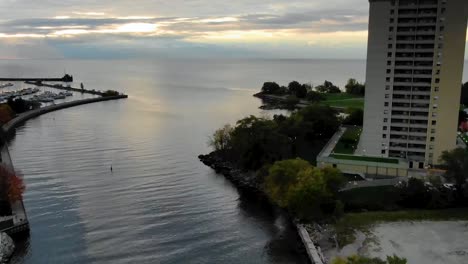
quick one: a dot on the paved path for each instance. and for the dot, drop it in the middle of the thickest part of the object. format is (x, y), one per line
(312, 251)
(43, 110)
(332, 142)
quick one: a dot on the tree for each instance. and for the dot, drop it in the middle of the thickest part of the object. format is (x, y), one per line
(354, 87)
(271, 88)
(456, 164)
(297, 89)
(306, 191)
(355, 117)
(257, 141)
(221, 139)
(328, 87)
(314, 96)
(414, 194)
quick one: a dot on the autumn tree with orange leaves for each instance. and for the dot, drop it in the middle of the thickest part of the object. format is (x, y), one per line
(11, 185)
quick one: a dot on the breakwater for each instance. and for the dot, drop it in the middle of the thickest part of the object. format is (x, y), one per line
(61, 87)
(15, 122)
(66, 78)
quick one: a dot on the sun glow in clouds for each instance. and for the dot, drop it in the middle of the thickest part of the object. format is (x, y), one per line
(137, 28)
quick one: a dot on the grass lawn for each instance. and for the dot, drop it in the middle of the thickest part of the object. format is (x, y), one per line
(363, 158)
(344, 100)
(349, 223)
(349, 141)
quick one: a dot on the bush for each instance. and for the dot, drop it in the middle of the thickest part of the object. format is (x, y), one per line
(365, 260)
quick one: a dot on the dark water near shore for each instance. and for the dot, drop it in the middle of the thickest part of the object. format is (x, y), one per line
(160, 204)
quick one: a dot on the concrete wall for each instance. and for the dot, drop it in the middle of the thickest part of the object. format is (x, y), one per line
(371, 138)
(368, 170)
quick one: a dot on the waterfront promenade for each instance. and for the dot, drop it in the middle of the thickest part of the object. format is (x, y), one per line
(21, 118)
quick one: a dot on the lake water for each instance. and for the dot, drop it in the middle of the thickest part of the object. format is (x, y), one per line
(160, 204)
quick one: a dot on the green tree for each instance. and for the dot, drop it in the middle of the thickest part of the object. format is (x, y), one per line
(456, 164)
(257, 141)
(328, 87)
(314, 96)
(306, 191)
(355, 117)
(354, 87)
(221, 138)
(271, 88)
(297, 89)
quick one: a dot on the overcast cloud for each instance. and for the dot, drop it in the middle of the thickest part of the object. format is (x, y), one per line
(142, 28)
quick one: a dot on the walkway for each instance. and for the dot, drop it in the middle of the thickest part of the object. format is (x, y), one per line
(327, 151)
(43, 110)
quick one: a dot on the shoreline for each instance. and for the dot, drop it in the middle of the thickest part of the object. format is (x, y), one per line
(246, 181)
(21, 118)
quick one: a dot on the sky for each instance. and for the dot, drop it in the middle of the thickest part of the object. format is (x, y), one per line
(183, 28)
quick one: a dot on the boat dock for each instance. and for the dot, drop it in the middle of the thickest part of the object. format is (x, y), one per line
(66, 88)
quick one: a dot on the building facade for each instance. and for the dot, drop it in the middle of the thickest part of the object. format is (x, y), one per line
(414, 72)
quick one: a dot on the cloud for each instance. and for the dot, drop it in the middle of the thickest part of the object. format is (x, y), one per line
(304, 25)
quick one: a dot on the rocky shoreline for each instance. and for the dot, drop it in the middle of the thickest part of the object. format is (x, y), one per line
(7, 247)
(241, 179)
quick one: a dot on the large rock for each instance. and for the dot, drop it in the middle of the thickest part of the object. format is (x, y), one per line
(7, 247)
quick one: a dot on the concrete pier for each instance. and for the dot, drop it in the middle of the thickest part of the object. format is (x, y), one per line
(12, 124)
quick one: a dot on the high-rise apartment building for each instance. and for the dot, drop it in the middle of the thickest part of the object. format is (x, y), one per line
(414, 71)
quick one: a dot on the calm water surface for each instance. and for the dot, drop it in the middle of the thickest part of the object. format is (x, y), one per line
(160, 204)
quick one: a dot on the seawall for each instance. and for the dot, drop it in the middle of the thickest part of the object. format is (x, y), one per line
(15, 122)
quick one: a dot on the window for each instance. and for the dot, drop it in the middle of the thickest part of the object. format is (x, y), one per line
(384, 136)
(437, 80)
(389, 54)
(385, 112)
(389, 71)
(387, 87)
(386, 104)
(431, 147)
(442, 28)
(436, 98)
(392, 11)
(385, 128)
(442, 11)
(385, 120)
(436, 89)
(383, 151)
(433, 130)
(390, 37)
(431, 155)
(434, 106)
(434, 122)
(439, 63)
(392, 20)
(389, 63)
(434, 114)
(432, 139)
(387, 79)
(437, 71)
(390, 46)
(441, 45)
(387, 96)
(390, 29)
